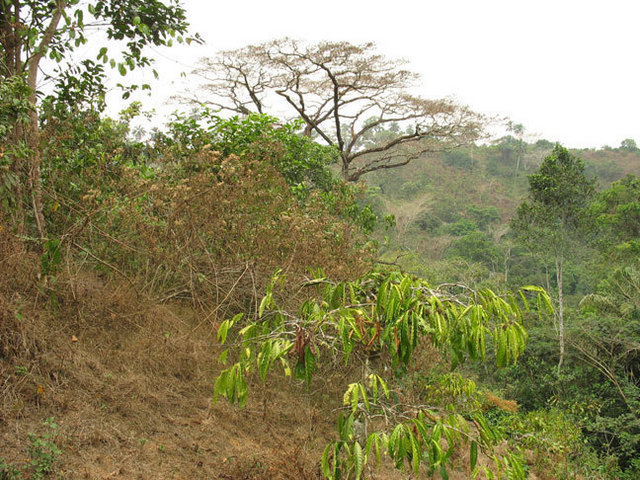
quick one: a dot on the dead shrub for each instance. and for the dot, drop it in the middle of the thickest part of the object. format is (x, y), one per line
(212, 230)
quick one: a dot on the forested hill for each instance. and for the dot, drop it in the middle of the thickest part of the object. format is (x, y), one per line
(513, 214)
(344, 294)
(458, 204)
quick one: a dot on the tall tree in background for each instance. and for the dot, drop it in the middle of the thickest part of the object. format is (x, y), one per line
(342, 92)
(553, 216)
(31, 30)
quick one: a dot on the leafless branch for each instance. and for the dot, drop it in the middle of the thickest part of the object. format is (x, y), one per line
(346, 94)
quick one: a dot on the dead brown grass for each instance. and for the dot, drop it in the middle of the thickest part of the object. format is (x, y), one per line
(129, 381)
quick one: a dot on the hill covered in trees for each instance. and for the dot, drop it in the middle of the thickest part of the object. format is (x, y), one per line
(359, 292)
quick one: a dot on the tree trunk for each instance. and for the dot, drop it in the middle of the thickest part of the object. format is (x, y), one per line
(515, 174)
(34, 180)
(34, 175)
(507, 257)
(559, 275)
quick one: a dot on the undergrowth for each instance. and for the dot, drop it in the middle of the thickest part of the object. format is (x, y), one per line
(43, 455)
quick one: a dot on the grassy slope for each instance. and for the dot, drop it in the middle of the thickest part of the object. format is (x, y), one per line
(129, 380)
(431, 186)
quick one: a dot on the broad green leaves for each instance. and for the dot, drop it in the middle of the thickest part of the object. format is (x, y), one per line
(394, 314)
(357, 394)
(231, 384)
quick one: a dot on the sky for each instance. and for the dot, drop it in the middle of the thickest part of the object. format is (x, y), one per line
(567, 70)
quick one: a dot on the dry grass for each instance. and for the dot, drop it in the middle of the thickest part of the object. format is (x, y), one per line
(129, 381)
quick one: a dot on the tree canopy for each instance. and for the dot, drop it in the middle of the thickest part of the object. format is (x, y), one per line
(32, 30)
(548, 222)
(343, 93)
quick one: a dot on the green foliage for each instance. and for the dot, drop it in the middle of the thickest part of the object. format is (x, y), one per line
(299, 158)
(427, 221)
(14, 106)
(43, 454)
(606, 171)
(158, 23)
(476, 247)
(560, 183)
(559, 196)
(76, 142)
(629, 145)
(84, 157)
(549, 431)
(51, 257)
(460, 228)
(303, 163)
(454, 392)
(446, 210)
(14, 117)
(391, 313)
(43, 451)
(552, 220)
(483, 216)
(80, 88)
(617, 215)
(412, 188)
(459, 159)
(49, 262)
(607, 340)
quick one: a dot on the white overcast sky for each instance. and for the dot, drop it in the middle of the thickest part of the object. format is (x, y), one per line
(567, 69)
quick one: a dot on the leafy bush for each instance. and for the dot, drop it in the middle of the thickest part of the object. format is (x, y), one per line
(14, 117)
(483, 216)
(476, 247)
(193, 228)
(554, 438)
(43, 454)
(389, 315)
(460, 228)
(298, 158)
(427, 221)
(459, 159)
(412, 188)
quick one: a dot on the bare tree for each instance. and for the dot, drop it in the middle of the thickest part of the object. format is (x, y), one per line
(343, 93)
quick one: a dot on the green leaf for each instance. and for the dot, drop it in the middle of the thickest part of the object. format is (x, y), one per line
(241, 388)
(365, 397)
(358, 456)
(264, 303)
(223, 357)
(326, 469)
(473, 455)
(264, 360)
(219, 387)
(416, 453)
(222, 331)
(336, 461)
(122, 69)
